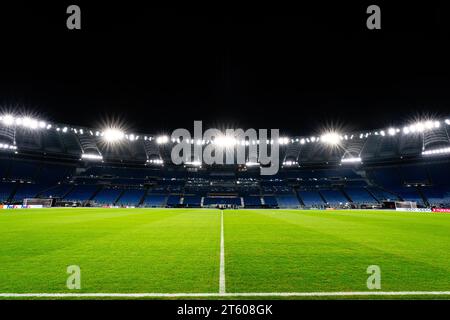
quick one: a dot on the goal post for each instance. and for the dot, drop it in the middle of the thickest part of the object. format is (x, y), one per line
(38, 202)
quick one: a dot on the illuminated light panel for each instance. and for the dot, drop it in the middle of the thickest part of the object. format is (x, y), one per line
(251, 164)
(193, 163)
(7, 147)
(352, 160)
(155, 161)
(436, 152)
(88, 156)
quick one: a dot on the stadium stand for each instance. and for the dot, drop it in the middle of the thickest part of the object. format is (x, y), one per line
(311, 199)
(334, 197)
(360, 195)
(108, 196)
(81, 193)
(287, 201)
(48, 163)
(153, 200)
(131, 197)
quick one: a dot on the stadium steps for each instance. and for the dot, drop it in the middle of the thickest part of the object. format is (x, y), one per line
(95, 193)
(422, 195)
(120, 196)
(300, 200)
(322, 197)
(143, 197)
(372, 195)
(68, 192)
(13, 193)
(345, 195)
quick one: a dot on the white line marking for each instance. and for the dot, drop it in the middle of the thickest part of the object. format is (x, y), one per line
(222, 257)
(243, 294)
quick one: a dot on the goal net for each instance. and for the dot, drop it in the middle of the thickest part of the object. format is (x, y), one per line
(405, 205)
(37, 202)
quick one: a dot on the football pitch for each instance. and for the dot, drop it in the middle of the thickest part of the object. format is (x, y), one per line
(206, 253)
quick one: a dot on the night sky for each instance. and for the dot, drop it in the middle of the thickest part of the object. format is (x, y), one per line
(160, 68)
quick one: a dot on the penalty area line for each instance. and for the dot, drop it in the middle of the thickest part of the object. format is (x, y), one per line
(237, 294)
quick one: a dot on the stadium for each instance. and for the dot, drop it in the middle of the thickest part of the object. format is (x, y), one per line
(137, 225)
(209, 155)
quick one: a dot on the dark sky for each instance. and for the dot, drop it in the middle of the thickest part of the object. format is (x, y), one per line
(159, 68)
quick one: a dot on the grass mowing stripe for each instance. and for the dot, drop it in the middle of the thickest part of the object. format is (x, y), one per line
(266, 254)
(152, 251)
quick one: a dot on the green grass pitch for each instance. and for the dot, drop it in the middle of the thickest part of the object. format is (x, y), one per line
(178, 250)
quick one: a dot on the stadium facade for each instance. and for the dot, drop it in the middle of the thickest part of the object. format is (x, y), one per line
(78, 166)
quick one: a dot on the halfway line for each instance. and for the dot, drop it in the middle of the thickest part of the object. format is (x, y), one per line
(222, 257)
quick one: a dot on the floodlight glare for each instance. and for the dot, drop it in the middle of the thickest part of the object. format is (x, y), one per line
(113, 135)
(225, 141)
(331, 138)
(8, 120)
(162, 139)
(391, 131)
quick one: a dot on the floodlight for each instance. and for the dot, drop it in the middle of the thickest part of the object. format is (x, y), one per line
(162, 139)
(8, 120)
(225, 141)
(391, 131)
(112, 135)
(331, 138)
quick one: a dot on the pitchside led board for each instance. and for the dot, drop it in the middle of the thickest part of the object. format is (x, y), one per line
(224, 161)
